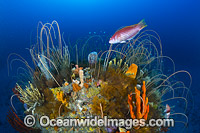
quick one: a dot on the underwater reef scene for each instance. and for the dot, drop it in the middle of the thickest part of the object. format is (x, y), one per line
(127, 80)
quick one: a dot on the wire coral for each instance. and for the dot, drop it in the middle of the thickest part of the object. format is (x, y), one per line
(17, 93)
(127, 83)
(16, 122)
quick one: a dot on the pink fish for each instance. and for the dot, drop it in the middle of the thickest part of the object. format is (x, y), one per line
(167, 111)
(127, 33)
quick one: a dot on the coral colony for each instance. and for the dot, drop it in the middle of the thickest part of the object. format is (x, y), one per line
(126, 81)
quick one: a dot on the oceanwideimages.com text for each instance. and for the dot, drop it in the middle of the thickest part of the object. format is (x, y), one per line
(45, 121)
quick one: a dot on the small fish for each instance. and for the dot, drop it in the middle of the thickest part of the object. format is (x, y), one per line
(127, 33)
(167, 111)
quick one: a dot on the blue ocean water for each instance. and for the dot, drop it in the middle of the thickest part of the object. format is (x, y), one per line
(176, 22)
